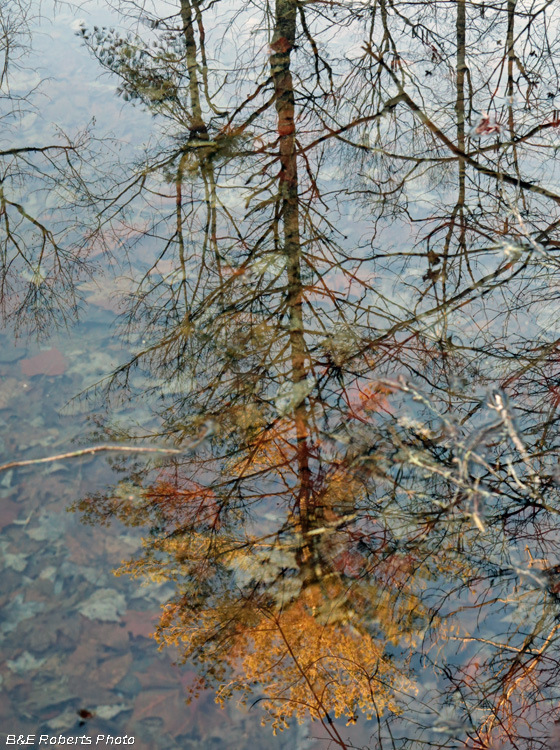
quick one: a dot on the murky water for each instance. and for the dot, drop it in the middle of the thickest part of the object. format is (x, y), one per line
(279, 374)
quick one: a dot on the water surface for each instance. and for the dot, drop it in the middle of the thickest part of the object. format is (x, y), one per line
(305, 254)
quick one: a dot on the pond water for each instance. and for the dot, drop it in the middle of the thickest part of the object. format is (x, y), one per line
(280, 366)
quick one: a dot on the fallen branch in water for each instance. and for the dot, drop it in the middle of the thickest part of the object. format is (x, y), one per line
(86, 452)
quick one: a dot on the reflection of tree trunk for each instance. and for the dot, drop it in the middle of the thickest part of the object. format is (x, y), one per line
(282, 45)
(511, 59)
(457, 218)
(461, 68)
(510, 42)
(460, 109)
(197, 128)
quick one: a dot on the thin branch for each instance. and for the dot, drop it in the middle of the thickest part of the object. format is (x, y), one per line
(86, 452)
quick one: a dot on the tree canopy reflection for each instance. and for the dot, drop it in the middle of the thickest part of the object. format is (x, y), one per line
(350, 327)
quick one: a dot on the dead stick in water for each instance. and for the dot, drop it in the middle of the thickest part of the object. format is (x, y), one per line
(88, 451)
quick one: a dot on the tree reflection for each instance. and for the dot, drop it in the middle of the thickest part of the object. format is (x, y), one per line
(51, 211)
(349, 325)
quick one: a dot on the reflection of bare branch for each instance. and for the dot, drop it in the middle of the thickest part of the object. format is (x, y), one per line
(499, 176)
